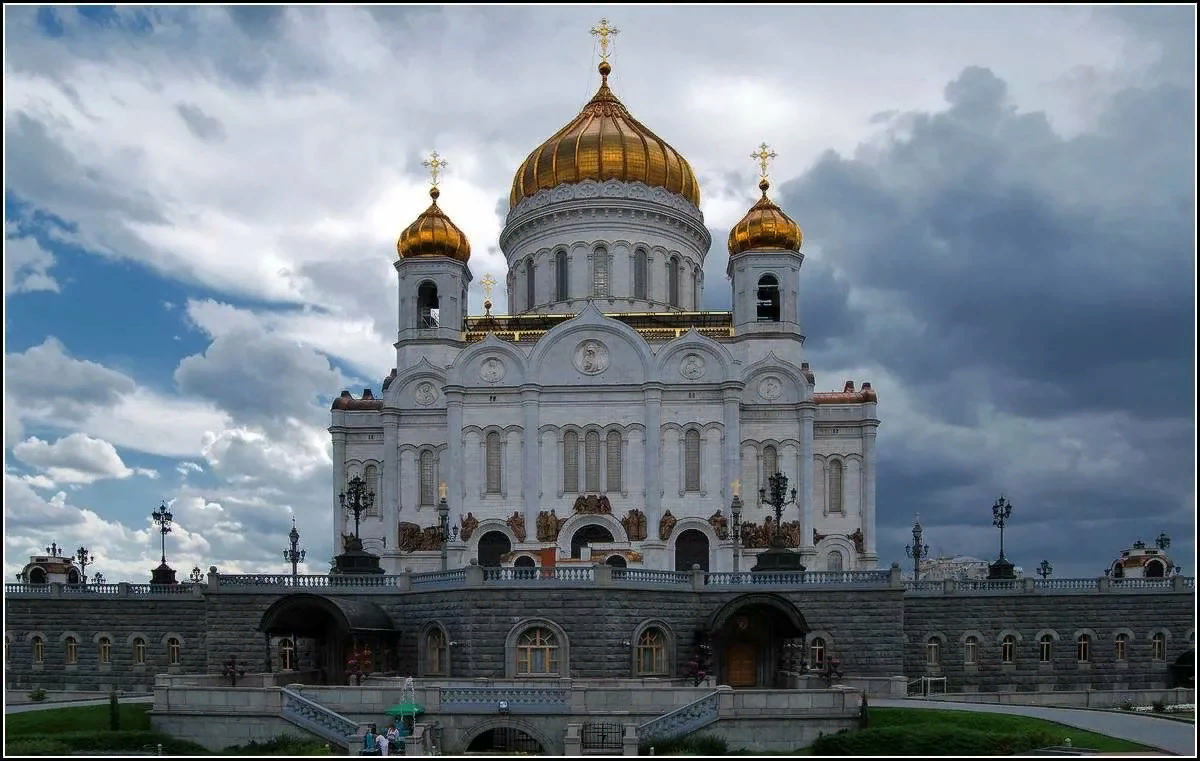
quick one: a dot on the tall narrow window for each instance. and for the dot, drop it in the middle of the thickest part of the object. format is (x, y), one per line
(173, 651)
(435, 652)
(427, 305)
(104, 651)
(371, 476)
(971, 650)
(696, 292)
(428, 485)
(817, 651)
(768, 299)
(651, 653)
(570, 461)
(1008, 649)
(933, 652)
(640, 269)
(72, 651)
(770, 464)
(591, 448)
(39, 651)
(287, 655)
(560, 275)
(1046, 648)
(1158, 646)
(1083, 649)
(835, 486)
(613, 466)
(493, 463)
(600, 272)
(139, 652)
(835, 560)
(691, 460)
(530, 282)
(1120, 642)
(673, 281)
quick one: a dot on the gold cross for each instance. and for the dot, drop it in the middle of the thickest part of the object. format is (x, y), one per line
(763, 157)
(487, 283)
(604, 31)
(435, 165)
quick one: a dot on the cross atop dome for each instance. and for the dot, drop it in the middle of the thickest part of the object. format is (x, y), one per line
(603, 31)
(763, 156)
(434, 164)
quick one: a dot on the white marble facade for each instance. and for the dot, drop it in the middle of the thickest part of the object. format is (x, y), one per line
(493, 419)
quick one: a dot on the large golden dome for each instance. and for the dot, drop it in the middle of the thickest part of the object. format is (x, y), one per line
(604, 143)
(433, 234)
(765, 226)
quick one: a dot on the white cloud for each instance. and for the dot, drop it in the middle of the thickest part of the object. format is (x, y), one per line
(27, 266)
(187, 466)
(74, 459)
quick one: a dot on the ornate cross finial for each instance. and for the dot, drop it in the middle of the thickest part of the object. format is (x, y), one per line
(763, 156)
(434, 164)
(604, 31)
(487, 283)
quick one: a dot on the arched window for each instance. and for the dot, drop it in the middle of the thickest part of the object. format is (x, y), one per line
(72, 576)
(691, 548)
(816, 650)
(1158, 646)
(173, 651)
(436, 661)
(427, 305)
(613, 463)
(72, 651)
(371, 476)
(537, 652)
(933, 652)
(524, 562)
(616, 561)
(1046, 648)
(651, 657)
(428, 482)
(39, 651)
(530, 282)
(591, 451)
(835, 486)
(691, 460)
(37, 575)
(1083, 648)
(768, 299)
(287, 655)
(493, 546)
(560, 275)
(640, 269)
(835, 560)
(493, 462)
(104, 650)
(139, 651)
(1121, 646)
(770, 464)
(971, 650)
(673, 281)
(570, 461)
(696, 291)
(600, 271)
(1008, 649)
(1155, 569)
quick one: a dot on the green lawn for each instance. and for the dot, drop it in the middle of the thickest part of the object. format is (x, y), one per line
(77, 719)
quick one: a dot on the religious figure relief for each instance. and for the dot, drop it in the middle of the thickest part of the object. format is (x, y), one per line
(719, 524)
(753, 536)
(468, 525)
(591, 358)
(492, 370)
(548, 525)
(857, 538)
(770, 388)
(425, 394)
(592, 504)
(516, 522)
(413, 538)
(692, 367)
(635, 525)
(818, 537)
(666, 526)
(792, 533)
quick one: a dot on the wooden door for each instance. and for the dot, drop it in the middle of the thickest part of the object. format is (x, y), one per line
(741, 661)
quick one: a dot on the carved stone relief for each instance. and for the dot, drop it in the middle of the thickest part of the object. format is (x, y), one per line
(548, 525)
(692, 367)
(720, 525)
(635, 525)
(516, 522)
(666, 526)
(591, 357)
(425, 394)
(492, 370)
(770, 388)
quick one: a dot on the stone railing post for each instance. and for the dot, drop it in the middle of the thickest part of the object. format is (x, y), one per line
(1104, 584)
(474, 575)
(214, 578)
(602, 574)
(629, 742)
(56, 588)
(1029, 584)
(895, 580)
(697, 577)
(404, 582)
(573, 740)
(123, 588)
(949, 587)
(1177, 584)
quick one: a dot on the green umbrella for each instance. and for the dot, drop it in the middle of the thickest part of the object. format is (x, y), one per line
(407, 708)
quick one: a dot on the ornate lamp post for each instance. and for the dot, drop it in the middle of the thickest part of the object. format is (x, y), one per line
(164, 574)
(917, 550)
(735, 509)
(84, 557)
(1045, 569)
(1163, 541)
(54, 550)
(1001, 512)
(778, 557)
(443, 511)
(98, 578)
(294, 555)
(360, 501)
(197, 576)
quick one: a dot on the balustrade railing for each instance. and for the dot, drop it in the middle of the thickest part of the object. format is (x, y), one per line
(439, 578)
(990, 585)
(1086, 584)
(92, 589)
(651, 576)
(695, 715)
(517, 699)
(1125, 583)
(27, 589)
(318, 719)
(926, 585)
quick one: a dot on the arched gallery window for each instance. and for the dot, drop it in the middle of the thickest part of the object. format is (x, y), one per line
(570, 461)
(933, 652)
(104, 651)
(560, 275)
(651, 655)
(768, 299)
(1008, 649)
(770, 464)
(427, 305)
(530, 282)
(173, 651)
(371, 477)
(613, 464)
(673, 281)
(971, 649)
(428, 487)
(287, 655)
(835, 560)
(1083, 648)
(1120, 646)
(139, 651)
(591, 450)
(1046, 648)
(493, 462)
(537, 652)
(816, 650)
(436, 661)
(72, 651)
(691, 460)
(640, 268)
(836, 473)
(600, 271)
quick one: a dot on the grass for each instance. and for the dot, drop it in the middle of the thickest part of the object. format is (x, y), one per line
(134, 716)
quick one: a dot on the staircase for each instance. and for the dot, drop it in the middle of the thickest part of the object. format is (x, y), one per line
(682, 721)
(316, 718)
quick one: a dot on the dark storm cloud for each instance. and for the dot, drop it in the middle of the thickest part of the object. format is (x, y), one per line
(200, 124)
(257, 21)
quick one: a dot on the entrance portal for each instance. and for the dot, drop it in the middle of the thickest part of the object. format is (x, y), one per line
(337, 629)
(691, 548)
(742, 661)
(492, 546)
(749, 637)
(505, 740)
(586, 535)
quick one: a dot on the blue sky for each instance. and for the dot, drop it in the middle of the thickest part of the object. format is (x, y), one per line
(201, 206)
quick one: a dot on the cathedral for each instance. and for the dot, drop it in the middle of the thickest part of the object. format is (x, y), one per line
(607, 418)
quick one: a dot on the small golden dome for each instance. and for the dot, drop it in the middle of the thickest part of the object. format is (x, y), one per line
(765, 226)
(604, 143)
(433, 234)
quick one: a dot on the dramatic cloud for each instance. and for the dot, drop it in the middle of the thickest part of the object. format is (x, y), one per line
(74, 459)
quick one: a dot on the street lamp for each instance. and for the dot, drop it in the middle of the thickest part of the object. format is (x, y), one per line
(1045, 569)
(54, 550)
(162, 516)
(917, 550)
(197, 576)
(735, 508)
(98, 578)
(443, 511)
(293, 554)
(360, 500)
(1163, 541)
(84, 557)
(1001, 512)
(778, 499)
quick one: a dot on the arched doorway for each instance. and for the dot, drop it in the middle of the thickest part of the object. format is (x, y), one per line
(325, 632)
(1156, 569)
(504, 739)
(589, 534)
(1183, 671)
(492, 546)
(691, 548)
(37, 575)
(524, 562)
(616, 561)
(750, 637)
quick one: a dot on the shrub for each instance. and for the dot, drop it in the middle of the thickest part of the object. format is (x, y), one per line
(930, 741)
(283, 745)
(701, 745)
(1127, 705)
(114, 711)
(1160, 706)
(30, 746)
(38, 695)
(124, 740)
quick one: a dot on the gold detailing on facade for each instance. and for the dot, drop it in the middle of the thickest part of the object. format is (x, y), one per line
(635, 525)
(666, 525)
(516, 523)
(604, 31)
(592, 504)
